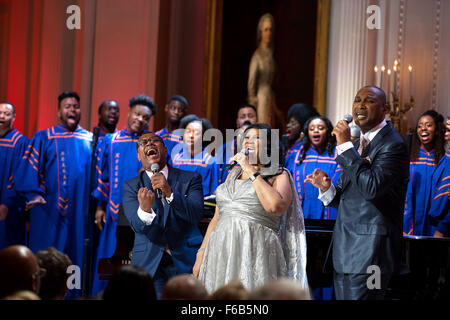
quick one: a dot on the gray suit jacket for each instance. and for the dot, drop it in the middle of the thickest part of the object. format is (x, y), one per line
(370, 198)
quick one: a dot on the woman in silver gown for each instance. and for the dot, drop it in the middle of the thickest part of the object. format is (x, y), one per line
(257, 233)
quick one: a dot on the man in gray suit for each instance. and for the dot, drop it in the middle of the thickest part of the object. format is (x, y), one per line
(370, 198)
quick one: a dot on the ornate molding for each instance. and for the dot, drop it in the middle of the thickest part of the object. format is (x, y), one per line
(437, 26)
(401, 36)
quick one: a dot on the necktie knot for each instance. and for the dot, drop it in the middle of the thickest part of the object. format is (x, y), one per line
(362, 145)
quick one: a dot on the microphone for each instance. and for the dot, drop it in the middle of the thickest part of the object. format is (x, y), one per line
(233, 163)
(355, 132)
(348, 118)
(155, 169)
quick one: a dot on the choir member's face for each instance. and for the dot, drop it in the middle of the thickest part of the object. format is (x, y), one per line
(266, 31)
(317, 131)
(138, 118)
(175, 110)
(368, 108)
(293, 129)
(426, 129)
(252, 142)
(6, 116)
(246, 114)
(193, 136)
(69, 113)
(109, 114)
(151, 150)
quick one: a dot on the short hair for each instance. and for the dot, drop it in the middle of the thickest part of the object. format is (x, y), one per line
(131, 283)
(13, 108)
(280, 289)
(22, 295)
(246, 105)
(179, 98)
(103, 104)
(381, 91)
(184, 287)
(206, 124)
(144, 100)
(67, 94)
(231, 291)
(54, 281)
(301, 112)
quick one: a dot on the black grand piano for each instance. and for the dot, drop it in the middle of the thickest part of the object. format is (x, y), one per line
(426, 274)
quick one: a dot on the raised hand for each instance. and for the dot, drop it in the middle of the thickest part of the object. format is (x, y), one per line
(342, 132)
(320, 179)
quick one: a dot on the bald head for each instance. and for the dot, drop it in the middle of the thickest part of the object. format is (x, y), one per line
(184, 287)
(280, 289)
(19, 270)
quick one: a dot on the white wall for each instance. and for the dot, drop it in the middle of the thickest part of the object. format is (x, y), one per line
(415, 32)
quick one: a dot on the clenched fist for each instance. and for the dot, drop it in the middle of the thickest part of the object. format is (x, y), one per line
(146, 198)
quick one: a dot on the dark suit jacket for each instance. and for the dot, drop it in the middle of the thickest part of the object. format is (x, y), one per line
(370, 198)
(175, 224)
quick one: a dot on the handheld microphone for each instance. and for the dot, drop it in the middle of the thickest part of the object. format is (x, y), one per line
(233, 163)
(155, 169)
(348, 118)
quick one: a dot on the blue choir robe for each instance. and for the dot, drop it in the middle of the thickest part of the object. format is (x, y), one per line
(204, 164)
(102, 134)
(13, 229)
(171, 139)
(415, 217)
(307, 193)
(56, 165)
(117, 162)
(440, 196)
(291, 154)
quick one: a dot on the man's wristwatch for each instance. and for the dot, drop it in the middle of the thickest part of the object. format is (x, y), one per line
(254, 176)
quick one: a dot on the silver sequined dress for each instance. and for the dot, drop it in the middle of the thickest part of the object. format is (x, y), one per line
(248, 244)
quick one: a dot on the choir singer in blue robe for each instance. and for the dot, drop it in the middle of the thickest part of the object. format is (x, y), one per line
(53, 176)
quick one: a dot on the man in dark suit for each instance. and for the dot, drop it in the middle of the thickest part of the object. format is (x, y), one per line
(370, 198)
(166, 233)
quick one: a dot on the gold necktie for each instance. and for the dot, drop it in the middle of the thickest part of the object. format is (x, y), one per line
(362, 145)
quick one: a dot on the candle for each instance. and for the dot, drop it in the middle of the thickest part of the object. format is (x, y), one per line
(388, 85)
(395, 78)
(376, 74)
(410, 81)
(382, 73)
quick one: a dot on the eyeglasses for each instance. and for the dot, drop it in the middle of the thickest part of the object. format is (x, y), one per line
(144, 142)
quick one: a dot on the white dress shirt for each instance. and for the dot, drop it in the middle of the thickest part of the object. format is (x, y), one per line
(147, 217)
(328, 196)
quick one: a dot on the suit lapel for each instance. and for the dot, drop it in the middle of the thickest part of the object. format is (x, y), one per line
(172, 178)
(377, 139)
